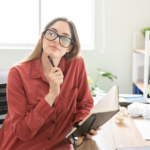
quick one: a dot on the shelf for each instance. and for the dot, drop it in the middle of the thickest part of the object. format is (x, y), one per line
(141, 86)
(142, 51)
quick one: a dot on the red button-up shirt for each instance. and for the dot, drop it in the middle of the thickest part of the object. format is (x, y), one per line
(31, 123)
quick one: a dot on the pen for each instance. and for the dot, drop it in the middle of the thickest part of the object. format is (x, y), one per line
(50, 60)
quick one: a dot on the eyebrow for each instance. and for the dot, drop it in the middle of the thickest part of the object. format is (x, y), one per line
(62, 33)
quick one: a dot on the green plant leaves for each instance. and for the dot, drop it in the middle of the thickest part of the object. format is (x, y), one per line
(106, 74)
(95, 90)
(145, 29)
(149, 92)
(90, 80)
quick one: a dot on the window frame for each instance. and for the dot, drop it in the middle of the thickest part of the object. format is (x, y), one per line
(10, 46)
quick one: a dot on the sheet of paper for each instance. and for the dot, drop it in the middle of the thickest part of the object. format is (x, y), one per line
(122, 100)
(123, 95)
(144, 128)
(108, 102)
(97, 99)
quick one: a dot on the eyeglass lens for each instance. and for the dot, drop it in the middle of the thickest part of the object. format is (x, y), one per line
(64, 41)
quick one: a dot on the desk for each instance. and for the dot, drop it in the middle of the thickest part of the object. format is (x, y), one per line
(115, 135)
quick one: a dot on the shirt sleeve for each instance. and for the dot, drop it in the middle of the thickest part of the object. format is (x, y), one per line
(84, 98)
(25, 124)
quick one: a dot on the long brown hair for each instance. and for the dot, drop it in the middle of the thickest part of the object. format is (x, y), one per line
(39, 48)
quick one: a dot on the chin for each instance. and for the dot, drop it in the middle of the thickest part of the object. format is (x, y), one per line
(52, 53)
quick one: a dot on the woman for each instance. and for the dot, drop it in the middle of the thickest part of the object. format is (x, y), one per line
(45, 101)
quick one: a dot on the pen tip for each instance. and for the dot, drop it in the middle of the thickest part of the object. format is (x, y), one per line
(47, 54)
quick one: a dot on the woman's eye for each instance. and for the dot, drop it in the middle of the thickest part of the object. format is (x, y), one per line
(65, 39)
(52, 34)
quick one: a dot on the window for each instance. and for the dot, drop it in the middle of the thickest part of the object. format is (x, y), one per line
(21, 21)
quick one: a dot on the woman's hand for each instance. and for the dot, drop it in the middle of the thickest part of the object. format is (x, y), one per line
(55, 78)
(92, 133)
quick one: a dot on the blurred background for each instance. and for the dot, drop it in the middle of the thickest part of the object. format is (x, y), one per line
(102, 25)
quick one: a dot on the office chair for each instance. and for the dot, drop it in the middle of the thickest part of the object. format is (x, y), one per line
(3, 100)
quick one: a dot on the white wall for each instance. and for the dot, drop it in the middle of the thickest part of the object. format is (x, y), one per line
(123, 17)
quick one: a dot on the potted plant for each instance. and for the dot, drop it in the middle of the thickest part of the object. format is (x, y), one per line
(96, 89)
(143, 32)
(145, 29)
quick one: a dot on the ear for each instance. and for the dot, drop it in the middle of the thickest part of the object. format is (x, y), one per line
(70, 48)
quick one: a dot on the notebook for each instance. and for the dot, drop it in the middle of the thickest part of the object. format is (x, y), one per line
(127, 101)
(105, 109)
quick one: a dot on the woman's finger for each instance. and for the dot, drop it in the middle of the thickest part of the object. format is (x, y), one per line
(55, 77)
(99, 128)
(58, 73)
(88, 136)
(54, 69)
(58, 81)
(93, 132)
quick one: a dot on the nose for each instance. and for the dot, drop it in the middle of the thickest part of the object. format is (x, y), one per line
(57, 40)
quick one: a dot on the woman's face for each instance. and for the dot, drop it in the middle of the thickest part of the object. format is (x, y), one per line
(54, 48)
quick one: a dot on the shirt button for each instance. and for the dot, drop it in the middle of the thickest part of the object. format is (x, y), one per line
(53, 121)
(49, 138)
(53, 105)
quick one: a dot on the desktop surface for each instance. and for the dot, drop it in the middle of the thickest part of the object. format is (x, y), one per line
(113, 136)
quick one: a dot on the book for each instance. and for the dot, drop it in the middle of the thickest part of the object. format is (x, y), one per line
(127, 101)
(105, 109)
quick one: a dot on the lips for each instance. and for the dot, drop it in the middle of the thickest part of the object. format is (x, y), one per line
(54, 47)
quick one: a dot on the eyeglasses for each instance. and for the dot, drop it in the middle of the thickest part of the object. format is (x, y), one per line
(63, 40)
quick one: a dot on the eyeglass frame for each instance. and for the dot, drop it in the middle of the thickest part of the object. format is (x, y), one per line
(72, 42)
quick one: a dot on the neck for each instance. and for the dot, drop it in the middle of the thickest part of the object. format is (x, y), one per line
(46, 64)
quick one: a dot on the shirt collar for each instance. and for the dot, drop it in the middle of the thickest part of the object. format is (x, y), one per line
(36, 68)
